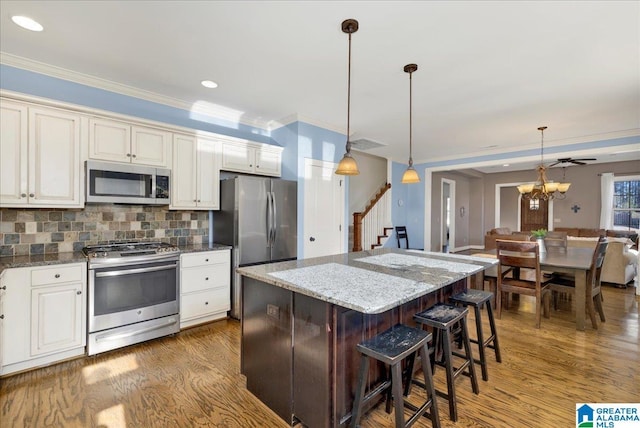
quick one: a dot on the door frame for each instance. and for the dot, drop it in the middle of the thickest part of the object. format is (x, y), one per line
(452, 217)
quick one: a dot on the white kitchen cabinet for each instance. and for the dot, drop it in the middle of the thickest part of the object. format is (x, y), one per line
(115, 141)
(252, 158)
(40, 158)
(44, 315)
(195, 174)
(205, 286)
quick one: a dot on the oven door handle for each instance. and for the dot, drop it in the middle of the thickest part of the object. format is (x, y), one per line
(116, 336)
(134, 271)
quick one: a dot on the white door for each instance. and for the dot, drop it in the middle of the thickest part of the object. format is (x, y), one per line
(323, 209)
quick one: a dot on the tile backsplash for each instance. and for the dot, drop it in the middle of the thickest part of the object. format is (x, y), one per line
(26, 231)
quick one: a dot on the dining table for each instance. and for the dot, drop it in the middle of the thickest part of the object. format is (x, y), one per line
(571, 260)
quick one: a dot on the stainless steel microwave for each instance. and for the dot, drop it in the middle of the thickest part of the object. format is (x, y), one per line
(127, 184)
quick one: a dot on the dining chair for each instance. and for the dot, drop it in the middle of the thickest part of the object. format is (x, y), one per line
(518, 255)
(567, 284)
(401, 233)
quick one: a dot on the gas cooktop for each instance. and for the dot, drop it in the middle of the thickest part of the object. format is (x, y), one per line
(128, 249)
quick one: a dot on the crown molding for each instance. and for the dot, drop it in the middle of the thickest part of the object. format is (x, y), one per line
(119, 88)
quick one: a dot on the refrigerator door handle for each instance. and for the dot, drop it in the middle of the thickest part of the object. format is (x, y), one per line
(269, 220)
(274, 217)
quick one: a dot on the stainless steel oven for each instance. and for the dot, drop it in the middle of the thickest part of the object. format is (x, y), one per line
(134, 294)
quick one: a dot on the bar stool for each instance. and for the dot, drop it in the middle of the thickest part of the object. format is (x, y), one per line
(477, 299)
(391, 347)
(444, 319)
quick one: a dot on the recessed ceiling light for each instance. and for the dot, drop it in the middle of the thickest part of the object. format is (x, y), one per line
(27, 23)
(506, 164)
(209, 84)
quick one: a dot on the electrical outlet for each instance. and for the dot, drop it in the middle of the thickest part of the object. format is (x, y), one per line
(273, 311)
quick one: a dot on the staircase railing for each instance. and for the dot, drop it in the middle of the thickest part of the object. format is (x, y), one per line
(368, 224)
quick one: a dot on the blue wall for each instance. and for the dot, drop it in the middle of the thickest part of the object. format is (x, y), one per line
(28, 82)
(305, 141)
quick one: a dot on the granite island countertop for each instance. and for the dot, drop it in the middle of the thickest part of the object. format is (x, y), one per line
(370, 282)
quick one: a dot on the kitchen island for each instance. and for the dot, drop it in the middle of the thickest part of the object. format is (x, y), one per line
(301, 321)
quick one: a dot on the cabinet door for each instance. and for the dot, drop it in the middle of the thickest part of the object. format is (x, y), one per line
(54, 158)
(109, 140)
(56, 318)
(13, 154)
(183, 177)
(238, 157)
(150, 146)
(208, 175)
(268, 162)
(15, 325)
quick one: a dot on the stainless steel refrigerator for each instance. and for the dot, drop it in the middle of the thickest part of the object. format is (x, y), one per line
(258, 217)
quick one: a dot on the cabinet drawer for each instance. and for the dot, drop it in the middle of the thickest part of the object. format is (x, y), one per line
(202, 278)
(56, 275)
(204, 259)
(204, 303)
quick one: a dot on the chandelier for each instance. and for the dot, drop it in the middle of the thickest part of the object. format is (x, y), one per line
(543, 188)
(348, 165)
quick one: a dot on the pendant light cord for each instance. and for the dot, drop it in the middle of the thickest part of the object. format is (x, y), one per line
(410, 119)
(349, 96)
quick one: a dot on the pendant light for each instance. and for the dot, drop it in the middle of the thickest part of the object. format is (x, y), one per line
(410, 175)
(347, 165)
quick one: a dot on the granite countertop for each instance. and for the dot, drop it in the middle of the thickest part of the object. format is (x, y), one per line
(370, 282)
(197, 248)
(7, 262)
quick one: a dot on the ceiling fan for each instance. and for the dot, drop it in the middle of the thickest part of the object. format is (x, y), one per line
(573, 161)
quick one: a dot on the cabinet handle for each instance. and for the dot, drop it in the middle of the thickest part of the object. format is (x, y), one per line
(199, 200)
(195, 200)
(257, 166)
(206, 260)
(79, 292)
(23, 195)
(206, 303)
(250, 165)
(133, 156)
(206, 279)
(128, 155)
(31, 195)
(2, 317)
(4, 287)
(57, 275)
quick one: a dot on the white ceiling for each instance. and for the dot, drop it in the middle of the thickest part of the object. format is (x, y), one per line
(489, 73)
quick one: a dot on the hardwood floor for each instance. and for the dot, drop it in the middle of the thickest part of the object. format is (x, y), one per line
(193, 379)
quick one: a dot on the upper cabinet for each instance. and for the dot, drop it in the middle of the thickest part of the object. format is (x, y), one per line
(115, 141)
(40, 157)
(252, 158)
(196, 173)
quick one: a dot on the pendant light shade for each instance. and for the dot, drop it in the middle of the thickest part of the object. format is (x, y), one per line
(410, 175)
(348, 165)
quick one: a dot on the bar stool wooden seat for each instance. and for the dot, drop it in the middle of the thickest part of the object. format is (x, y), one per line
(448, 321)
(391, 347)
(477, 299)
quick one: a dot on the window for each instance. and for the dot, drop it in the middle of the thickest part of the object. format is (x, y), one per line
(626, 203)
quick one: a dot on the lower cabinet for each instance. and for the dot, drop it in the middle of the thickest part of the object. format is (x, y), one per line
(205, 286)
(44, 312)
